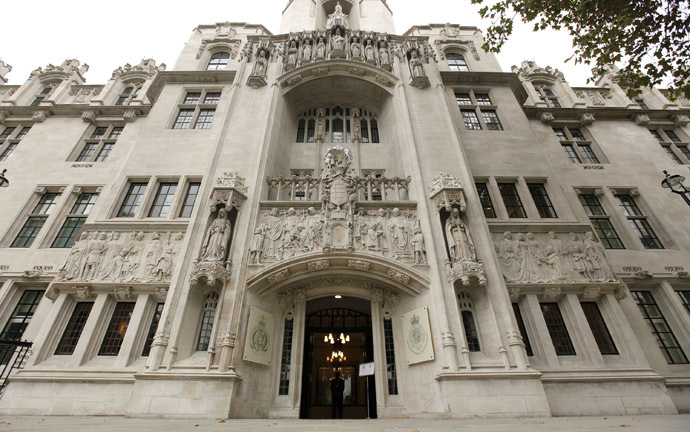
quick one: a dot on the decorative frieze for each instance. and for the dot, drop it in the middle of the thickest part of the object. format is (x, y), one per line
(539, 258)
(398, 276)
(318, 265)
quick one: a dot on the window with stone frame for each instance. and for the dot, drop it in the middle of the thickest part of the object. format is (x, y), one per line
(685, 298)
(557, 329)
(675, 143)
(468, 321)
(35, 219)
(374, 185)
(338, 125)
(511, 200)
(18, 321)
(286, 357)
(653, 315)
(542, 201)
(75, 326)
(600, 331)
(97, 143)
(577, 147)
(457, 62)
(523, 329)
(132, 199)
(74, 220)
(208, 315)
(477, 110)
(638, 221)
(189, 200)
(155, 320)
(163, 200)
(44, 93)
(601, 221)
(485, 199)
(117, 329)
(10, 138)
(197, 109)
(218, 61)
(639, 100)
(128, 94)
(547, 95)
(300, 190)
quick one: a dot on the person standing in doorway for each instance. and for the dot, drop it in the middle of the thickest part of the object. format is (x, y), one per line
(337, 389)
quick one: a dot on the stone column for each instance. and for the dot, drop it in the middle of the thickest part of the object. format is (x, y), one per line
(296, 357)
(380, 375)
(543, 338)
(583, 332)
(95, 326)
(48, 336)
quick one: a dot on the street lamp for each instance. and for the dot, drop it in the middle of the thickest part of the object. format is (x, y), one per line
(675, 183)
(4, 182)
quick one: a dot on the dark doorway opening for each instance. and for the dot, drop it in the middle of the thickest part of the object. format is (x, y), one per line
(338, 337)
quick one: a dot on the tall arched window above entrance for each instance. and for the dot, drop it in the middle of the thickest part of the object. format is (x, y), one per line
(456, 62)
(219, 61)
(207, 318)
(338, 126)
(466, 312)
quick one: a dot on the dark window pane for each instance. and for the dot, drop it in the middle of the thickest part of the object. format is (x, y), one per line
(560, 134)
(364, 127)
(668, 344)
(152, 329)
(207, 319)
(311, 125)
(512, 201)
(470, 331)
(212, 98)
(205, 119)
(471, 120)
(557, 329)
(672, 135)
(572, 154)
(491, 120)
(542, 200)
(374, 131)
(163, 200)
(87, 152)
(591, 205)
(588, 153)
(8, 151)
(456, 62)
(285, 358)
(482, 99)
(184, 118)
(685, 151)
(523, 330)
(98, 133)
(192, 98)
(68, 232)
(657, 135)
(485, 199)
(463, 98)
(391, 374)
(219, 61)
(23, 132)
(105, 152)
(674, 157)
(116, 132)
(629, 206)
(46, 204)
(577, 135)
(28, 232)
(130, 204)
(599, 330)
(189, 199)
(75, 325)
(7, 132)
(685, 298)
(21, 315)
(607, 234)
(115, 334)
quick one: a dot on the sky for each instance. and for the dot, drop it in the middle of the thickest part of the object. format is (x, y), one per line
(107, 35)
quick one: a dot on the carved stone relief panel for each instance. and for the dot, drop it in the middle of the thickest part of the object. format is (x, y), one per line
(552, 258)
(120, 257)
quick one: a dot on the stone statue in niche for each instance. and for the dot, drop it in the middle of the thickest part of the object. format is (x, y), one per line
(306, 51)
(217, 237)
(320, 49)
(369, 53)
(416, 66)
(459, 241)
(272, 228)
(398, 233)
(356, 49)
(256, 246)
(292, 54)
(320, 125)
(384, 58)
(337, 18)
(338, 41)
(418, 245)
(356, 127)
(526, 259)
(261, 64)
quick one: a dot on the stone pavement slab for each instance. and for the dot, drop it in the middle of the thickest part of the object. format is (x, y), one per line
(676, 423)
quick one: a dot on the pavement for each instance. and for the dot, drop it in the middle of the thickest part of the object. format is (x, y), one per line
(667, 423)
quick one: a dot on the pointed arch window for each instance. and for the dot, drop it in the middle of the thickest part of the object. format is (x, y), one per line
(456, 62)
(219, 61)
(207, 317)
(468, 322)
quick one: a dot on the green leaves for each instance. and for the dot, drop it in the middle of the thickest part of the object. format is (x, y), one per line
(649, 37)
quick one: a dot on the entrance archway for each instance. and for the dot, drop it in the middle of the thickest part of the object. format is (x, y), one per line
(337, 337)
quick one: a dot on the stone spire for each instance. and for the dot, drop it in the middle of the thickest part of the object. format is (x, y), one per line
(372, 15)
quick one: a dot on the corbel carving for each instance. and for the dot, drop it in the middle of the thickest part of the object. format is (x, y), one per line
(590, 294)
(130, 115)
(514, 293)
(318, 265)
(586, 119)
(550, 294)
(446, 191)
(122, 293)
(229, 191)
(546, 117)
(39, 116)
(641, 119)
(84, 293)
(680, 120)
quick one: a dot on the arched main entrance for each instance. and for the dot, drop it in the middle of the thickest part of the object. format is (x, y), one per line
(337, 337)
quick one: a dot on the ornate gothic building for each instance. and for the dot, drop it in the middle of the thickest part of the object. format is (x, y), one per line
(218, 239)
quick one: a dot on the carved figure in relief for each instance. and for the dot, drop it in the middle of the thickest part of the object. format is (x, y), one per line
(527, 258)
(418, 245)
(292, 53)
(459, 241)
(320, 49)
(338, 40)
(337, 17)
(130, 253)
(155, 251)
(578, 259)
(376, 234)
(355, 48)
(312, 235)
(599, 268)
(397, 233)
(383, 54)
(292, 234)
(261, 64)
(217, 237)
(114, 263)
(416, 65)
(356, 126)
(306, 51)
(73, 265)
(273, 231)
(256, 246)
(93, 259)
(369, 52)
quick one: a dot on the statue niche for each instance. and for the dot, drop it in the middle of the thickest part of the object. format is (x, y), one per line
(213, 262)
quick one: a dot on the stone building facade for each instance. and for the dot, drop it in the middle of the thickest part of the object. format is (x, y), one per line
(194, 242)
